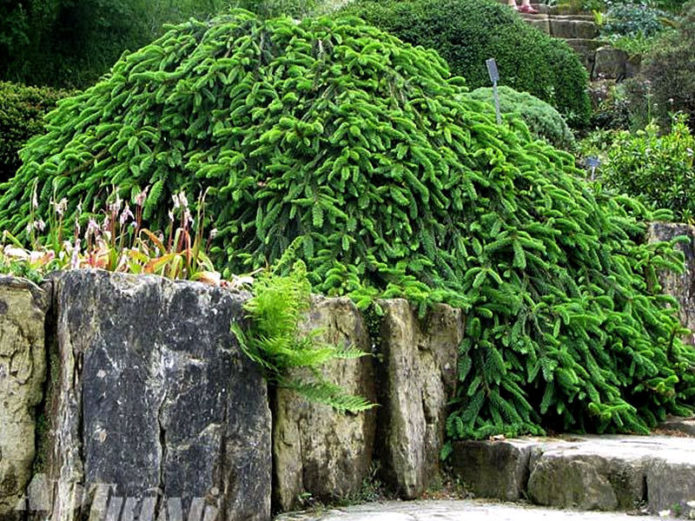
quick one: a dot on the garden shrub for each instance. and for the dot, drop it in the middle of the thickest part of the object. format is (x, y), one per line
(543, 121)
(657, 168)
(21, 116)
(670, 70)
(270, 8)
(632, 19)
(626, 106)
(468, 32)
(361, 155)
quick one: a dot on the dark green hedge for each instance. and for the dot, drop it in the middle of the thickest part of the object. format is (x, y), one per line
(468, 32)
(21, 116)
(72, 43)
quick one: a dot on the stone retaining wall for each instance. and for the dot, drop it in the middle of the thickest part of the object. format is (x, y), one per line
(153, 406)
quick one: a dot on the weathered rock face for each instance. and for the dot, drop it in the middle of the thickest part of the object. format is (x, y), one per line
(682, 286)
(316, 450)
(493, 469)
(610, 63)
(155, 404)
(671, 485)
(417, 378)
(22, 373)
(586, 481)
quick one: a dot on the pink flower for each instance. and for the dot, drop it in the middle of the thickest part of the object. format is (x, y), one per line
(60, 206)
(141, 197)
(115, 206)
(75, 260)
(93, 228)
(125, 215)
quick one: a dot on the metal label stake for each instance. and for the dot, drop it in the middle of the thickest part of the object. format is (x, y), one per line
(494, 77)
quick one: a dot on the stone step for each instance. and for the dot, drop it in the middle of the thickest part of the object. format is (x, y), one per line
(610, 473)
(680, 426)
(586, 49)
(577, 17)
(569, 28)
(453, 510)
(563, 27)
(556, 9)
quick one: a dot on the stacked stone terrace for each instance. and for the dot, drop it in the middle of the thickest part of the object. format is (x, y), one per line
(581, 32)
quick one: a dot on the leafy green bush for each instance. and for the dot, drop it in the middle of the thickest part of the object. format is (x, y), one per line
(632, 19)
(657, 168)
(363, 153)
(623, 106)
(21, 116)
(635, 46)
(544, 122)
(468, 32)
(670, 71)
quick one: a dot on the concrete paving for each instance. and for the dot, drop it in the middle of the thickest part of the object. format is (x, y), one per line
(454, 510)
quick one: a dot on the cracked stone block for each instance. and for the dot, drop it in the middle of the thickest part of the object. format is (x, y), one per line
(581, 482)
(317, 451)
(679, 286)
(155, 404)
(610, 63)
(23, 308)
(417, 378)
(571, 28)
(591, 473)
(671, 485)
(493, 469)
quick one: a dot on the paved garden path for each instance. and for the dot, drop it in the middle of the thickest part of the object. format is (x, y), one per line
(454, 510)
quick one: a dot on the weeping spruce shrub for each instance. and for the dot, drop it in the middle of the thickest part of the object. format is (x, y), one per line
(468, 32)
(362, 155)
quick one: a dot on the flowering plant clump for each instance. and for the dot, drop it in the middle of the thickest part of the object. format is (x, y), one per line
(115, 240)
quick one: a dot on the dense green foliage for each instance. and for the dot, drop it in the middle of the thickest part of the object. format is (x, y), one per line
(365, 155)
(658, 168)
(21, 116)
(468, 32)
(633, 19)
(670, 70)
(271, 8)
(543, 121)
(70, 43)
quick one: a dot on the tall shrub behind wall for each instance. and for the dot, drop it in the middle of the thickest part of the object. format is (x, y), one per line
(468, 32)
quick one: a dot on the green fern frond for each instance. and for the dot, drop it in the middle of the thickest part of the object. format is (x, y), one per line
(328, 394)
(275, 342)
